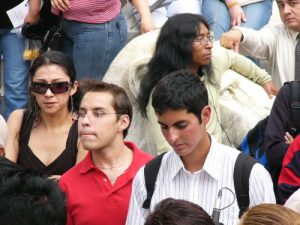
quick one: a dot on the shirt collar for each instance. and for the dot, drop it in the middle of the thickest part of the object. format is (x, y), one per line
(211, 164)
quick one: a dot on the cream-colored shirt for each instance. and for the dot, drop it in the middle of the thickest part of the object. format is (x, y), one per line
(222, 60)
(276, 44)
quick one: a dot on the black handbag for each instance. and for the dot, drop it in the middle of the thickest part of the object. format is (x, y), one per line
(47, 29)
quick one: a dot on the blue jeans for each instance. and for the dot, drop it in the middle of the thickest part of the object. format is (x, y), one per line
(217, 15)
(93, 46)
(15, 71)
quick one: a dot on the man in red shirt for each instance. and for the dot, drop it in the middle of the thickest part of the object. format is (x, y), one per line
(98, 189)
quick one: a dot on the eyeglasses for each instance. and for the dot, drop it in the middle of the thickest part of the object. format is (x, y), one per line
(204, 40)
(94, 114)
(56, 88)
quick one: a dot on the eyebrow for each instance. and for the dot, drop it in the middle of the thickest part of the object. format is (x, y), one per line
(176, 123)
(93, 109)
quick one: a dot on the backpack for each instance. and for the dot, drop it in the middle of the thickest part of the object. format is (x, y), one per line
(253, 143)
(242, 169)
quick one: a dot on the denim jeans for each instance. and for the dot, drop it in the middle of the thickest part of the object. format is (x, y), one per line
(15, 71)
(93, 46)
(217, 15)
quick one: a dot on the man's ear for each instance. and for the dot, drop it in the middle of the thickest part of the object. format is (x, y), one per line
(205, 114)
(123, 122)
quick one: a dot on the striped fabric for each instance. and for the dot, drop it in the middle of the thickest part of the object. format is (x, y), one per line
(92, 11)
(200, 187)
(297, 59)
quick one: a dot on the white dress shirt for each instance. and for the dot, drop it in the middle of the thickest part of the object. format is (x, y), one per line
(274, 43)
(200, 187)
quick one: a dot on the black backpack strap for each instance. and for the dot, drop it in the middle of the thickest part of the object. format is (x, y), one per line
(150, 173)
(242, 169)
(295, 103)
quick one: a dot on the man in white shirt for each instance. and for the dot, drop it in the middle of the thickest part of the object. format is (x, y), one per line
(199, 166)
(275, 43)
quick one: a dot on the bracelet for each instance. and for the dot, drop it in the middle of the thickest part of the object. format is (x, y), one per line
(231, 4)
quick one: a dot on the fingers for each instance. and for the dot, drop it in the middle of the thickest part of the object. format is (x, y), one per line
(244, 19)
(61, 5)
(288, 138)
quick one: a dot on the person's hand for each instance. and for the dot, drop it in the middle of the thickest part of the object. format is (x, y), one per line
(61, 5)
(55, 177)
(288, 138)
(237, 15)
(270, 88)
(231, 39)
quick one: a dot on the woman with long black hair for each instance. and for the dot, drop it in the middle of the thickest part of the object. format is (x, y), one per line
(186, 42)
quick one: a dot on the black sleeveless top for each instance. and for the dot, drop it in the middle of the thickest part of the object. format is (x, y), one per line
(28, 160)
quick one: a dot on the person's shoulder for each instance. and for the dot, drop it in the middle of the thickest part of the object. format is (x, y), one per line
(72, 173)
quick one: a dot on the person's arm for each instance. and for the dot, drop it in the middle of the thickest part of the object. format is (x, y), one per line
(256, 43)
(33, 15)
(250, 70)
(136, 214)
(144, 11)
(12, 142)
(278, 124)
(289, 178)
(260, 186)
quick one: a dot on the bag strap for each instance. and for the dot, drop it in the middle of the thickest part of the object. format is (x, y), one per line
(150, 173)
(295, 104)
(242, 170)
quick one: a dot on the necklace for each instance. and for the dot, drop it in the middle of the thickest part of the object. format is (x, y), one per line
(111, 167)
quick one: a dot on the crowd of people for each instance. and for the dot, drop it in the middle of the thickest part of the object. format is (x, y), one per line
(64, 153)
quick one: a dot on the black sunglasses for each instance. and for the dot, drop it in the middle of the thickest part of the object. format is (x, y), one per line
(56, 88)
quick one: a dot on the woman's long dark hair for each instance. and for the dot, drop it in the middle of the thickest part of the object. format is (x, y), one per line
(173, 52)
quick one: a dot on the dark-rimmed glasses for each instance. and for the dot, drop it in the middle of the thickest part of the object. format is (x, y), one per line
(56, 88)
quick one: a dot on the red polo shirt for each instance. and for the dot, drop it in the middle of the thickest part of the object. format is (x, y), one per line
(91, 199)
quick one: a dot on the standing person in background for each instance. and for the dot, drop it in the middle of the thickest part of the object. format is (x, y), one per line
(12, 46)
(222, 15)
(94, 31)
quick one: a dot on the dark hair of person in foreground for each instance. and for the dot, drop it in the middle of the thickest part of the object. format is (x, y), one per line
(178, 212)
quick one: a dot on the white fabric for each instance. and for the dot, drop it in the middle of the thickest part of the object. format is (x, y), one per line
(294, 201)
(274, 43)
(3, 131)
(202, 186)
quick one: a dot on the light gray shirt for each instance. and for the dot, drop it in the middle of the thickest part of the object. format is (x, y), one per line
(200, 187)
(276, 44)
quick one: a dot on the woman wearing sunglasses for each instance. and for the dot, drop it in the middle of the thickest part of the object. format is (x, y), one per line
(44, 136)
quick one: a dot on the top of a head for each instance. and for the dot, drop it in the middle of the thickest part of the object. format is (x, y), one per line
(178, 212)
(180, 90)
(30, 198)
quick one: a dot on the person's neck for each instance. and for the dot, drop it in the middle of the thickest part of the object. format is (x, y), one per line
(55, 120)
(115, 156)
(195, 161)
